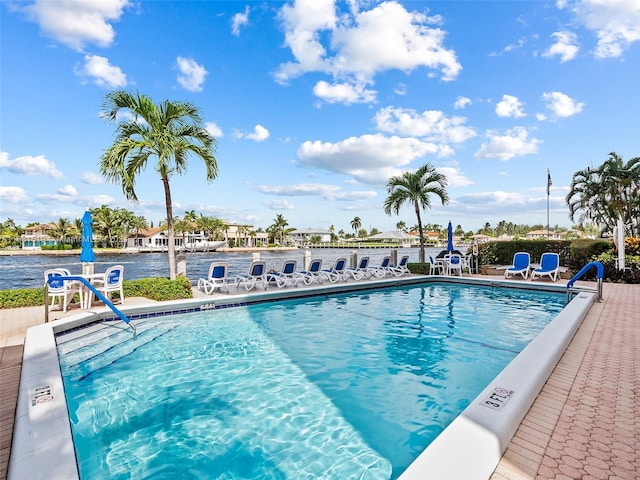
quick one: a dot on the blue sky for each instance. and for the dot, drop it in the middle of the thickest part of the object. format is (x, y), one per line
(315, 104)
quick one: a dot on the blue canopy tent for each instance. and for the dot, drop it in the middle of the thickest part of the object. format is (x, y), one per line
(87, 255)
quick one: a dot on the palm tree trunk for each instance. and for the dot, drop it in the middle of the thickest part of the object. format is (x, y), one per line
(421, 232)
(170, 234)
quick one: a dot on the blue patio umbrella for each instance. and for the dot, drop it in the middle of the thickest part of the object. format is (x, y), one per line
(87, 255)
(449, 238)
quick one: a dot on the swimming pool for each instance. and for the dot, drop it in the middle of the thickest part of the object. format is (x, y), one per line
(351, 385)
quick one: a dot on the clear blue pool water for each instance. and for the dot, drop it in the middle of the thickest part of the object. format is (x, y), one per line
(333, 387)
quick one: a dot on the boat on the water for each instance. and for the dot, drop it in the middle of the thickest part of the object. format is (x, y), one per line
(198, 246)
(203, 246)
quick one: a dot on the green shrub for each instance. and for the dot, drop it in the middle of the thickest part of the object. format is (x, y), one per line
(58, 246)
(160, 289)
(584, 251)
(501, 253)
(419, 268)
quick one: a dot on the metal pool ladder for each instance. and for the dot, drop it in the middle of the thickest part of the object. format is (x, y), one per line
(95, 291)
(571, 290)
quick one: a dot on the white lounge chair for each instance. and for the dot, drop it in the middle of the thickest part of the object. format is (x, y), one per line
(383, 269)
(337, 272)
(549, 266)
(257, 273)
(401, 268)
(286, 274)
(216, 278)
(361, 271)
(314, 273)
(521, 265)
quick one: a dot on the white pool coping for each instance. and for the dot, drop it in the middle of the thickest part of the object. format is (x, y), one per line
(470, 447)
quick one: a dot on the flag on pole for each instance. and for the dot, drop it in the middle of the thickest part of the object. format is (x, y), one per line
(549, 183)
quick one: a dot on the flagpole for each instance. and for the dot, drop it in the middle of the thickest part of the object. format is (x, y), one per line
(548, 191)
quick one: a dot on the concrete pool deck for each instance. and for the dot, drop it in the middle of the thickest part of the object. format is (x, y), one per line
(582, 425)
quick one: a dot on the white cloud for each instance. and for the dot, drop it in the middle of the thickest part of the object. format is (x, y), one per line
(515, 143)
(92, 178)
(369, 159)
(13, 195)
(455, 178)
(509, 106)
(191, 75)
(616, 23)
(565, 47)
(461, 102)
(239, 20)
(353, 47)
(562, 105)
(280, 204)
(68, 190)
(30, 166)
(76, 23)
(400, 89)
(260, 134)
(213, 129)
(432, 125)
(327, 192)
(343, 93)
(103, 73)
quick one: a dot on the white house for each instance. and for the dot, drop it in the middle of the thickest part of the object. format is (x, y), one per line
(37, 236)
(303, 236)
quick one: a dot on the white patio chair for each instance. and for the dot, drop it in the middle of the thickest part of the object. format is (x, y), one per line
(453, 264)
(110, 282)
(61, 290)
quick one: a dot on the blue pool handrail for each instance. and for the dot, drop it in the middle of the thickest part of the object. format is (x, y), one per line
(599, 276)
(95, 291)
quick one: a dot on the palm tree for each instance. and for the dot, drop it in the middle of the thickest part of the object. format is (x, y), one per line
(169, 131)
(607, 193)
(401, 226)
(415, 188)
(356, 223)
(190, 215)
(63, 228)
(279, 224)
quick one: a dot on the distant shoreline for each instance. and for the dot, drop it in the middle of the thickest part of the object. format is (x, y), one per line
(120, 251)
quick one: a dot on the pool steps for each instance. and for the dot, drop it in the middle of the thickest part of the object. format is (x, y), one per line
(90, 358)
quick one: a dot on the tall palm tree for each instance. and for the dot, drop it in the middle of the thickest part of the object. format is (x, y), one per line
(415, 188)
(356, 223)
(607, 193)
(169, 131)
(280, 223)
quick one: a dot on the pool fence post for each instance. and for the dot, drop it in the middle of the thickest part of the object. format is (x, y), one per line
(181, 269)
(354, 259)
(394, 256)
(46, 302)
(306, 259)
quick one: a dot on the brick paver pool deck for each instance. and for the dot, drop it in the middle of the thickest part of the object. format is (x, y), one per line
(583, 425)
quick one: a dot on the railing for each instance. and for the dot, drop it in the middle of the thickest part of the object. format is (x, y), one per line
(599, 276)
(93, 289)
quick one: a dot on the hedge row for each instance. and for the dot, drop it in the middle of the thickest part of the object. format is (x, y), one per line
(160, 289)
